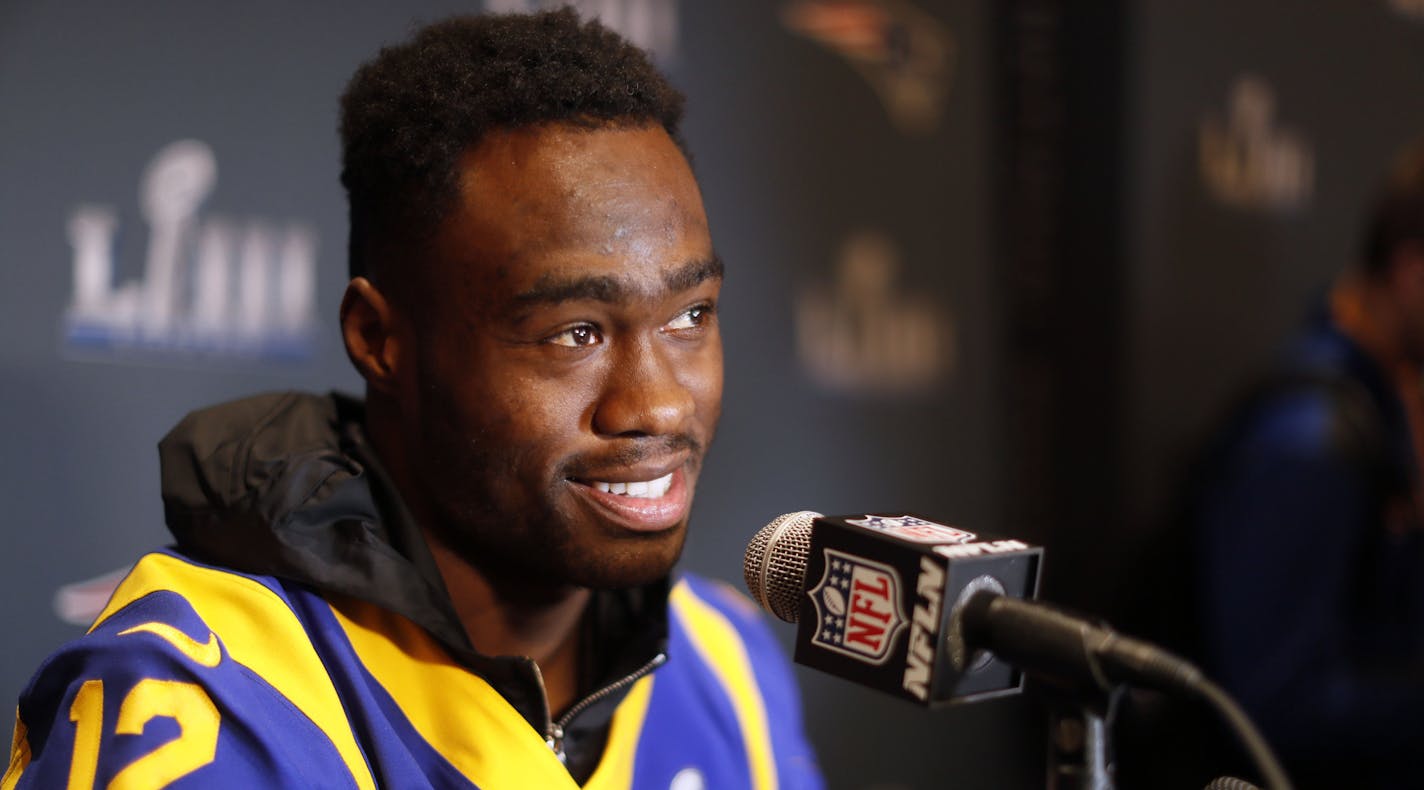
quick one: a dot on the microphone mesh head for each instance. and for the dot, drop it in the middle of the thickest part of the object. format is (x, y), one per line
(775, 565)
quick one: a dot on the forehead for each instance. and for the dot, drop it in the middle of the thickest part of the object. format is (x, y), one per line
(555, 202)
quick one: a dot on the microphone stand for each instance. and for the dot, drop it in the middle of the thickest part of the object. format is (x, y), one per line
(1091, 665)
(1081, 755)
(1080, 742)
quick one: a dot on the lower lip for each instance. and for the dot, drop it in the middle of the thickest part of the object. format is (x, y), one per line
(640, 514)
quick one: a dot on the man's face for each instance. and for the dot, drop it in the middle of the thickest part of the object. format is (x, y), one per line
(568, 360)
(1408, 292)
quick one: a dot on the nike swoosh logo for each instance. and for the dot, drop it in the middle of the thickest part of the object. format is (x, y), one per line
(207, 655)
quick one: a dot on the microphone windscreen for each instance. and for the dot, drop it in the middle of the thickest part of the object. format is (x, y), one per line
(775, 564)
(1230, 783)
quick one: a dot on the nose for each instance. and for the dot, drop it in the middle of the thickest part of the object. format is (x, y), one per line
(644, 394)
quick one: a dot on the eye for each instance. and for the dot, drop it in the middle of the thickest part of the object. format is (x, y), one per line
(691, 318)
(578, 337)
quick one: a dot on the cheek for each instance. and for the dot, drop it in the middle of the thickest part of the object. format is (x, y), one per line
(705, 382)
(536, 415)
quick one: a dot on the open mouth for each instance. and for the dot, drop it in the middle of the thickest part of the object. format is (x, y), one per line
(642, 489)
(640, 505)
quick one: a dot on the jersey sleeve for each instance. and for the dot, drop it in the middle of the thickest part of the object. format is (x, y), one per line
(151, 698)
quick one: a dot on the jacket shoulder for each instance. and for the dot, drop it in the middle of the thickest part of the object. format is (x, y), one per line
(733, 640)
(728, 601)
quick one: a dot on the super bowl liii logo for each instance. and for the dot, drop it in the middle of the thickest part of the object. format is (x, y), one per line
(868, 333)
(858, 610)
(1248, 160)
(209, 285)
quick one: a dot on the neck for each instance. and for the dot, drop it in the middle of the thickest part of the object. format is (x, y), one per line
(501, 617)
(511, 618)
(1364, 311)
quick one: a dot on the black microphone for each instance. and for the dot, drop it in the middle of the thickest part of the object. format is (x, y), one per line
(880, 599)
(856, 584)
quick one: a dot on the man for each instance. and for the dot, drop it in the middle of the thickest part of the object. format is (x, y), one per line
(1311, 565)
(463, 581)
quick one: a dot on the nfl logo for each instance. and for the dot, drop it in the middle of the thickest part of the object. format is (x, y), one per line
(913, 528)
(857, 607)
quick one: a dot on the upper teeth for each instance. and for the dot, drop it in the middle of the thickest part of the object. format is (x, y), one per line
(644, 489)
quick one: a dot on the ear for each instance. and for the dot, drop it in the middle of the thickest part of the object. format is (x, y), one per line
(368, 326)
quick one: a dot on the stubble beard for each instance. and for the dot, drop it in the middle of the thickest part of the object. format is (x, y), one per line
(529, 545)
(535, 549)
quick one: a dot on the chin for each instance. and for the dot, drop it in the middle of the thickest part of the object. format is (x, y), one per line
(624, 568)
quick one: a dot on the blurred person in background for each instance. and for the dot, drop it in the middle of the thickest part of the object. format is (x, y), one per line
(1307, 518)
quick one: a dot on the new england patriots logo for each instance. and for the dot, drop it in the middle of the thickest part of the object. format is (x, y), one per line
(858, 607)
(913, 528)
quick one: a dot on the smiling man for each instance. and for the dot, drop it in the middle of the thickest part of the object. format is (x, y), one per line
(464, 580)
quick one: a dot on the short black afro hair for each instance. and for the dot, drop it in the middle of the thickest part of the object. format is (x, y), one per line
(1397, 216)
(409, 114)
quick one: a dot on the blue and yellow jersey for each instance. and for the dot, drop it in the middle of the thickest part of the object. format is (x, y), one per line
(196, 676)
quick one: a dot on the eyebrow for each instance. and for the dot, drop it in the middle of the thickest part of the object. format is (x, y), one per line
(552, 289)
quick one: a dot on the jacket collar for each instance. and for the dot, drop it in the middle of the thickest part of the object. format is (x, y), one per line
(286, 485)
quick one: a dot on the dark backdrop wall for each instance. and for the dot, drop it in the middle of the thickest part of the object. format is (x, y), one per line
(997, 262)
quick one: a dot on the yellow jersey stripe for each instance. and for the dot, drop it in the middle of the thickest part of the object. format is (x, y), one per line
(251, 619)
(19, 755)
(615, 770)
(456, 711)
(717, 641)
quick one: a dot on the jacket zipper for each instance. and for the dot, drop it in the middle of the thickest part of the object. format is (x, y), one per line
(554, 734)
